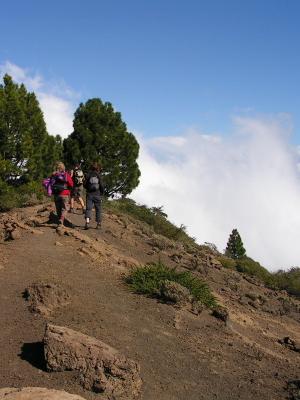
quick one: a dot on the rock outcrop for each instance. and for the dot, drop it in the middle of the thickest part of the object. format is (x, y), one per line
(289, 343)
(44, 298)
(176, 293)
(221, 313)
(36, 393)
(101, 367)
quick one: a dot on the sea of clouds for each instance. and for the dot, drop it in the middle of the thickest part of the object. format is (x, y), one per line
(248, 179)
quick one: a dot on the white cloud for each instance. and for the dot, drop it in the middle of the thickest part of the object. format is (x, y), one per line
(249, 181)
(21, 75)
(56, 99)
(58, 114)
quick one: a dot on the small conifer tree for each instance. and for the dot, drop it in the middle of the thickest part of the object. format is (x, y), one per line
(235, 248)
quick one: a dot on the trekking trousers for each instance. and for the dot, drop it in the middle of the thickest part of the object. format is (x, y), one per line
(62, 206)
(93, 199)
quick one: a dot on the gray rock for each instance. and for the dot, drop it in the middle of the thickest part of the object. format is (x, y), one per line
(101, 367)
(196, 307)
(290, 344)
(294, 389)
(173, 291)
(46, 297)
(15, 234)
(221, 313)
(36, 393)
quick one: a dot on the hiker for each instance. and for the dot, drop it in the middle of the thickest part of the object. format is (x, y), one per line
(94, 190)
(76, 193)
(61, 183)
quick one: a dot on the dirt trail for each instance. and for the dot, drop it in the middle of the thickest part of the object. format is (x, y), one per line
(181, 355)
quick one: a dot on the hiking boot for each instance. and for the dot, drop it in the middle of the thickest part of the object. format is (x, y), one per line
(59, 225)
(98, 226)
(86, 227)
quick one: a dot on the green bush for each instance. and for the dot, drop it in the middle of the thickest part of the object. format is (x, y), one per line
(20, 196)
(252, 268)
(227, 262)
(150, 278)
(288, 280)
(155, 217)
(280, 280)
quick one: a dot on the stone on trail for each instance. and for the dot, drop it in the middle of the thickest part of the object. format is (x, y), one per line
(294, 389)
(15, 234)
(221, 313)
(46, 297)
(290, 344)
(102, 368)
(36, 393)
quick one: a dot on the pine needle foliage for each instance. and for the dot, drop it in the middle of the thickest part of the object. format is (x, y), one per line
(100, 134)
(235, 248)
(150, 278)
(27, 151)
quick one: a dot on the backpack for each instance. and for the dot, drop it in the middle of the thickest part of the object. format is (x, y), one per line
(47, 186)
(93, 183)
(59, 183)
(78, 177)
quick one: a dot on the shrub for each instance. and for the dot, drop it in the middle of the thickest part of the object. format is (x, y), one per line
(227, 262)
(20, 196)
(252, 268)
(288, 280)
(155, 217)
(150, 278)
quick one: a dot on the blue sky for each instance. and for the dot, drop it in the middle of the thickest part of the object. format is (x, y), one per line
(210, 88)
(166, 65)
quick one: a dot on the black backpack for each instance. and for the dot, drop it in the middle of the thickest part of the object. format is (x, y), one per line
(93, 183)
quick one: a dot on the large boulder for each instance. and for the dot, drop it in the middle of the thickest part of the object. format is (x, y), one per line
(36, 393)
(101, 367)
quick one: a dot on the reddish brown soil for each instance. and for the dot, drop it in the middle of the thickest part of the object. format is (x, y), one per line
(182, 355)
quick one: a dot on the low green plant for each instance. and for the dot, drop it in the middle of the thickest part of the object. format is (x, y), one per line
(252, 268)
(153, 216)
(288, 280)
(227, 262)
(280, 280)
(149, 279)
(20, 196)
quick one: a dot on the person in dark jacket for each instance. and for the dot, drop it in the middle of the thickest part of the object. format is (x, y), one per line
(94, 190)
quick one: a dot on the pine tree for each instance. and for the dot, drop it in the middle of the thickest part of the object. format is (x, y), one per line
(235, 248)
(27, 152)
(101, 135)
